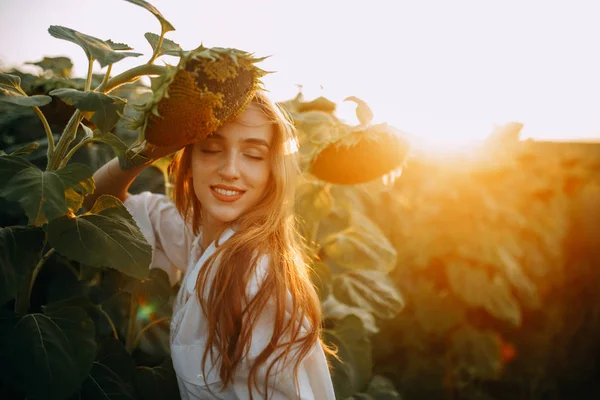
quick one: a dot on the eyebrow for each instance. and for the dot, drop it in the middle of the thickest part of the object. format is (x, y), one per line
(257, 141)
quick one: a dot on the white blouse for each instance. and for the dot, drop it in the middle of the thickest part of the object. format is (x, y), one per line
(176, 251)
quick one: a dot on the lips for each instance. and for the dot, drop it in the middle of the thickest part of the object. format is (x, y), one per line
(226, 193)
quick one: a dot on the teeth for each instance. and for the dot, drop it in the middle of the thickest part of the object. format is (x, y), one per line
(227, 192)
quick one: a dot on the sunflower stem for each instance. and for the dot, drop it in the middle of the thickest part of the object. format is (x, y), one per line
(158, 46)
(101, 87)
(65, 140)
(23, 300)
(49, 136)
(110, 321)
(71, 152)
(88, 81)
(131, 75)
(144, 329)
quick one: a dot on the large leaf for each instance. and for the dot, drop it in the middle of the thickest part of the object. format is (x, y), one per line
(11, 92)
(167, 47)
(371, 290)
(10, 166)
(111, 375)
(44, 195)
(313, 200)
(60, 66)
(78, 180)
(335, 309)
(41, 194)
(20, 248)
(99, 108)
(107, 236)
(96, 49)
(157, 383)
(102, 322)
(118, 146)
(361, 246)
(164, 24)
(50, 354)
(353, 373)
(479, 289)
(118, 46)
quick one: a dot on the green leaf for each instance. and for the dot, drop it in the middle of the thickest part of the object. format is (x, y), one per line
(99, 108)
(50, 354)
(353, 373)
(370, 290)
(335, 309)
(118, 146)
(118, 46)
(25, 149)
(112, 234)
(159, 382)
(361, 246)
(44, 195)
(168, 47)
(10, 166)
(111, 374)
(20, 251)
(314, 200)
(41, 194)
(60, 66)
(11, 92)
(164, 24)
(478, 289)
(96, 49)
(78, 180)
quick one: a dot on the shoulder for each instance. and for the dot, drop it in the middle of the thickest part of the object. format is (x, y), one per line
(147, 199)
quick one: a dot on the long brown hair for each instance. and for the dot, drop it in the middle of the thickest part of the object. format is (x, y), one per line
(266, 229)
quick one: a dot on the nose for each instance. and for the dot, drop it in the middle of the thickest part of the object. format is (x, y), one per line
(230, 170)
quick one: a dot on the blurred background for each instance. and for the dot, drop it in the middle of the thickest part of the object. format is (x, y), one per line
(466, 267)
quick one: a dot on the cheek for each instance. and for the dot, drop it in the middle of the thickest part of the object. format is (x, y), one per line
(261, 175)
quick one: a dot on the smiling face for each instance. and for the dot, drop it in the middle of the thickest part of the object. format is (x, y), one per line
(231, 168)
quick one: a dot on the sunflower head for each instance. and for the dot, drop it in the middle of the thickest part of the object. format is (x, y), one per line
(208, 87)
(361, 154)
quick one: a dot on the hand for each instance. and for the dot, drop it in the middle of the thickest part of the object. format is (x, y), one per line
(156, 152)
(145, 154)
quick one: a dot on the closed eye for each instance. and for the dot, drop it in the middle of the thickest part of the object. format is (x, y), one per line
(210, 151)
(257, 158)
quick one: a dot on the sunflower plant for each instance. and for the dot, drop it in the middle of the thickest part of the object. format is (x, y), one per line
(81, 314)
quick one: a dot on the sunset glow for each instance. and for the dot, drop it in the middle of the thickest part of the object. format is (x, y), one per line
(444, 72)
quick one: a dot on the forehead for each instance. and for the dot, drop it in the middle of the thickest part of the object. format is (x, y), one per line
(251, 124)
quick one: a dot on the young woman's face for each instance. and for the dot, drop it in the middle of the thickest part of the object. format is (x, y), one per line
(231, 167)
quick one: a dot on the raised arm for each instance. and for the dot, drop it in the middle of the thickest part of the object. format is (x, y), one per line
(111, 179)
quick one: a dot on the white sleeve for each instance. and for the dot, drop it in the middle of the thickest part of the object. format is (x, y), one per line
(314, 378)
(164, 229)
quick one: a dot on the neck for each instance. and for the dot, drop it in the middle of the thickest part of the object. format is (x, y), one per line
(211, 230)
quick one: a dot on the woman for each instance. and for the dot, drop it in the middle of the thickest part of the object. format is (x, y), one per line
(246, 321)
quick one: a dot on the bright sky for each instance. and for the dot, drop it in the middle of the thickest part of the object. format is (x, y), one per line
(442, 71)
